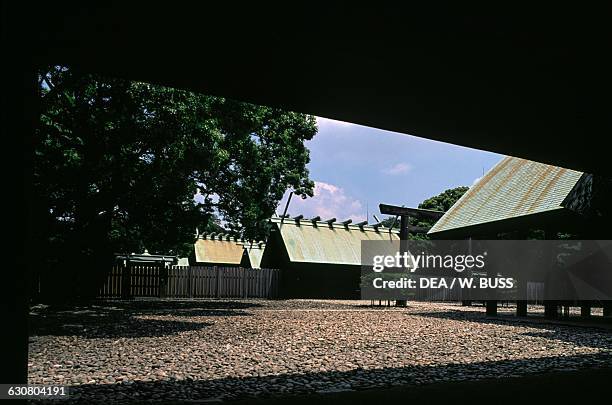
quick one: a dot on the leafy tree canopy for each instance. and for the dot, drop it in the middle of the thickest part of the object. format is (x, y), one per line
(444, 200)
(118, 164)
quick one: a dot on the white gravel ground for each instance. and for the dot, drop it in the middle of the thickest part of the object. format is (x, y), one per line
(226, 350)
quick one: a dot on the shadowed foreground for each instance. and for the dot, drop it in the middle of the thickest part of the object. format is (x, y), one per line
(570, 387)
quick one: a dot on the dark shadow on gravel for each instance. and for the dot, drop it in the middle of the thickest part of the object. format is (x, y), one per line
(570, 387)
(155, 304)
(167, 304)
(114, 329)
(574, 334)
(129, 319)
(360, 383)
(568, 336)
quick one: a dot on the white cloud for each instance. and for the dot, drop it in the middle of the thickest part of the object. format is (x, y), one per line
(329, 201)
(398, 168)
(476, 180)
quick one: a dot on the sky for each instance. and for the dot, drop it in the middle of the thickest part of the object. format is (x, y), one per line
(355, 168)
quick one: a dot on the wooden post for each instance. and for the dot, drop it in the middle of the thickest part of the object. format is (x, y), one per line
(521, 305)
(607, 308)
(465, 300)
(126, 281)
(491, 306)
(403, 247)
(163, 281)
(585, 310)
(243, 282)
(521, 308)
(218, 279)
(405, 228)
(551, 309)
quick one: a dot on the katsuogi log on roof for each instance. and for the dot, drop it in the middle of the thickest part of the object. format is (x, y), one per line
(319, 259)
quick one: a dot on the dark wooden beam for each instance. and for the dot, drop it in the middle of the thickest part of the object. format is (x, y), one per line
(411, 212)
(453, 75)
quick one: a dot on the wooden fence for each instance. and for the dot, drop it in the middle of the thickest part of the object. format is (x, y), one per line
(190, 282)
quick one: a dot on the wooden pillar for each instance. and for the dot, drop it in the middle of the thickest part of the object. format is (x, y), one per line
(521, 308)
(126, 281)
(164, 273)
(404, 228)
(585, 310)
(521, 305)
(551, 309)
(466, 299)
(491, 307)
(405, 213)
(607, 308)
(403, 246)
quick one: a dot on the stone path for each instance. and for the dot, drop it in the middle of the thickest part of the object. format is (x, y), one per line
(220, 350)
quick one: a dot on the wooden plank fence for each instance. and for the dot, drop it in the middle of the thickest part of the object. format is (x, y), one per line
(190, 282)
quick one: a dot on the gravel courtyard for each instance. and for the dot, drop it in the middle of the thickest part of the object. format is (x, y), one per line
(224, 350)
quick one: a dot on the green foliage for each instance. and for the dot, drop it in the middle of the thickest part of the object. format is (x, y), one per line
(390, 222)
(444, 200)
(118, 163)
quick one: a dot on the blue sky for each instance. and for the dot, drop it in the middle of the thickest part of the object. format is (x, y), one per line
(356, 167)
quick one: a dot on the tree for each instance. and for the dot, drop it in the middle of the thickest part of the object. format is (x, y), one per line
(118, 164)
(444, 200)
(440, 202)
